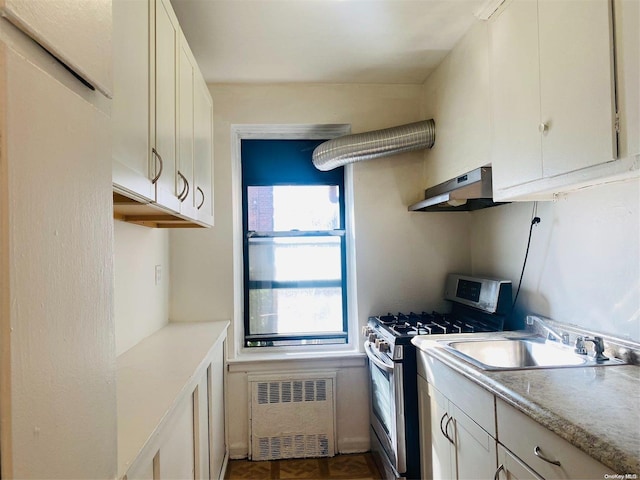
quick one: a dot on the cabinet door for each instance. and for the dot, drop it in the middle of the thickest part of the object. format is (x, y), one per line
(186, 71)
(475, 448)
(177, 454)
(166, 51)
(627, 40)
(201, 428)
(424, 413)
(576, 84)
(130, 107)
(442, 447)
(203, 151)
(216, 387)
(511, 468)
(78, 33)
(515, 95)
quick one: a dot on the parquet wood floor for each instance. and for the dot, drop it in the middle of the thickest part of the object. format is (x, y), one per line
(358, 466)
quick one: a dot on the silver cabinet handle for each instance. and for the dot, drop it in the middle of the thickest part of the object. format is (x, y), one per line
(157, 155)
(538, 453)
(182, 196)
(442, 428)
(446, 430)
(497, 474)
(202, 202)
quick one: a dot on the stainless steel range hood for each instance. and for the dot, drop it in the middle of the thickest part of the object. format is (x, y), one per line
(468, 192)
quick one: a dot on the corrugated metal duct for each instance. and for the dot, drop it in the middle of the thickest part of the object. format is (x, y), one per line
(379, 143)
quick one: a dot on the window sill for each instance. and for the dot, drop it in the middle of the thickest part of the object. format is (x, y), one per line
(265, 361)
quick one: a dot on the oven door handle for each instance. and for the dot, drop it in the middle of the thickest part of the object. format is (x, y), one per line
(374, 358)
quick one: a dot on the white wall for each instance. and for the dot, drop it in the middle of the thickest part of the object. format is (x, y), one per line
(57, 367)
(140, 306)
(402, 257)
(584, 259)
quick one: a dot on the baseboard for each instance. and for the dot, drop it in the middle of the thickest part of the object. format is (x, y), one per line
(354, 445)
(239, 451)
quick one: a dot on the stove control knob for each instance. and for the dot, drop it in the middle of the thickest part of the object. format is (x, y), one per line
(366, 330)
(372, 337)
(383, 346)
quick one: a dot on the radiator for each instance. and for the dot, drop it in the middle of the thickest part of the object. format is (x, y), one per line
(292, 415)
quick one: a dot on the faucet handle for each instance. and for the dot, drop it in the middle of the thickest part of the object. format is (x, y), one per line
(581, 348)
(598, 345)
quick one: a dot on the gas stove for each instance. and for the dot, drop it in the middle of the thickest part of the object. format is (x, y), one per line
(477, 305)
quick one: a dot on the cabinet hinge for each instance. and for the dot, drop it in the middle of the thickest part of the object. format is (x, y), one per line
(617, 123)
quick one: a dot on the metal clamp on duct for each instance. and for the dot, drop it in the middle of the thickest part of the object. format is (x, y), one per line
(369, 145)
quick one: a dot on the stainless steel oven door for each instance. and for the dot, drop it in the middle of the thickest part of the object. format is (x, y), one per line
(387, 406)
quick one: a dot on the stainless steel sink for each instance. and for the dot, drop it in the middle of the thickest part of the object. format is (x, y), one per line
(520, 353)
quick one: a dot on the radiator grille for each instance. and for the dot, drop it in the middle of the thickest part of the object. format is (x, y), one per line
(296, 391)
(292, 417)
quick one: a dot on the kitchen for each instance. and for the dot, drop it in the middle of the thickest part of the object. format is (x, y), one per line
(584, 237)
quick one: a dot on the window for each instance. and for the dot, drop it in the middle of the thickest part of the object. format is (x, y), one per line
(294, 250)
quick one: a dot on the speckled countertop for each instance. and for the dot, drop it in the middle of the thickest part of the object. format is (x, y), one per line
(597, 409)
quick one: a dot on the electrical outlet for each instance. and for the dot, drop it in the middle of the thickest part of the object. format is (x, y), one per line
(158, 272)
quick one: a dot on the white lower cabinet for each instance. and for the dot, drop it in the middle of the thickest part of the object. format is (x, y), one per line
(467, 433)
(460, 448)
(171, 404)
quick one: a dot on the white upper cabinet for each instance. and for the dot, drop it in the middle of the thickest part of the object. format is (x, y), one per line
(132, 162)
(195, 141)
(627, 38)
(515, 99)
(78, 33)
(577, 110)
(203, 151)
(186, 73)
(553, 93)
(160, 116)
(166, 63)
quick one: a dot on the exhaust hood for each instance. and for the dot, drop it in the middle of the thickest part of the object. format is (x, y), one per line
(468, 192)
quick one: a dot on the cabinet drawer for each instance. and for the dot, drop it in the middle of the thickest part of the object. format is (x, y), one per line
(474, 400)
(512, 467)
(523, 436)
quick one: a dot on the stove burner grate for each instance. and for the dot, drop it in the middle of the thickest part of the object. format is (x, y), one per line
(434, 323)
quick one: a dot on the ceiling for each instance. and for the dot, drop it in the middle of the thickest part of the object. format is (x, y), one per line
(322, 41)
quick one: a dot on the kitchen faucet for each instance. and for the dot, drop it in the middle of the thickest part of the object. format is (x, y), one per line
(598, 345)
(551, 333)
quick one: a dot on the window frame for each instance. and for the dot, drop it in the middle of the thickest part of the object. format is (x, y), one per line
(262, 173)
(288, 132)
